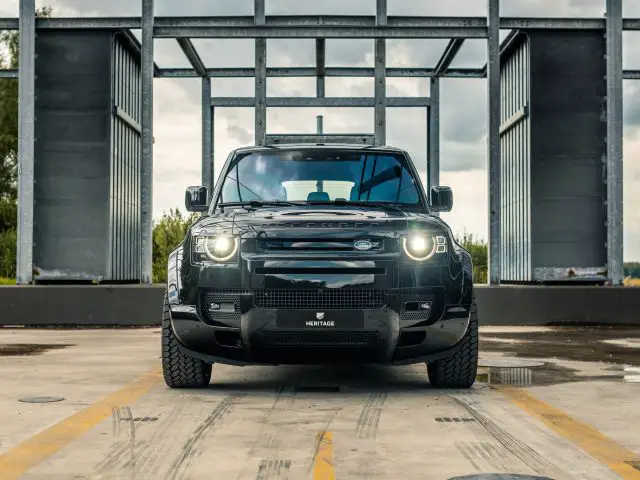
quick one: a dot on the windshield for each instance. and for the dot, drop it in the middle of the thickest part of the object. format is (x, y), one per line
(321, 176)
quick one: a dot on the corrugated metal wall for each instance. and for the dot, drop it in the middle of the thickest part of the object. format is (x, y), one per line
(124, 221)
(515, 162)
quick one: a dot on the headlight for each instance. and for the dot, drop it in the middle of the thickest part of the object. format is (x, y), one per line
(421, 247)
(217, 248)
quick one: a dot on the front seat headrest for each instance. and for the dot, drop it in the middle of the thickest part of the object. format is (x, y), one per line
(318, 197)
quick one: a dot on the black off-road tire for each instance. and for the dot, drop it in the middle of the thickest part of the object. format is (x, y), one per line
(180, 370)
(459, 370)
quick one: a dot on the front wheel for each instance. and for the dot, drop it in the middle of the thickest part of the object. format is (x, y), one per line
(460, 369)
(180, 370)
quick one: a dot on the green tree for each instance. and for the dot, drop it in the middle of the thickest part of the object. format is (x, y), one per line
(479, 252)
(168, 232)
(632, 269)
(9, 150)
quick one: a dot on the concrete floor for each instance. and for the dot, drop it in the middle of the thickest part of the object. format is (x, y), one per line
(548, 403)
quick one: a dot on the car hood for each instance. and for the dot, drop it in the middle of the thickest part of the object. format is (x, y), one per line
(241, 221)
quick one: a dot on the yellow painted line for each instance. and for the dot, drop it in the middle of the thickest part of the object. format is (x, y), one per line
(34, 450)
(323, 460)
(592, 441)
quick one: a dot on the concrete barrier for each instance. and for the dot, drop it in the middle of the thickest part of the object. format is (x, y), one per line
(81, 305)
(556, 305)
(141, 305)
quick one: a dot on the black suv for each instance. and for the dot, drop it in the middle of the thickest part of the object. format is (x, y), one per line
(319, 254)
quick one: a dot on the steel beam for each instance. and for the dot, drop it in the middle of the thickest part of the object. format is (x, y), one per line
(469, 27)
(285, 139)
(26, 141)
(146, 220)
(327, 72)
(380, 90)
(320, 67)
(318, 32)
(493, 138)
(207, 137)
(614, 143)
(454, 46)
(192, 55)
(433, 136)
(304, 102)
(260, 76)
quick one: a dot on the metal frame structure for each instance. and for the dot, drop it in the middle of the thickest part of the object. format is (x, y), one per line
(379, 27)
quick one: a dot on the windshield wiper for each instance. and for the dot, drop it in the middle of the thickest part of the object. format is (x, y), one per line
(261, 203)
(386, 206)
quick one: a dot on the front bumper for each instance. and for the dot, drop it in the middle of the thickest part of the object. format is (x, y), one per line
(242, 327)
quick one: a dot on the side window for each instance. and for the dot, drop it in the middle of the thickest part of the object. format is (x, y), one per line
(230, 188)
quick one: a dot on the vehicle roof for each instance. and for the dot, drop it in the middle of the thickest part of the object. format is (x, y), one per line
(320, 146)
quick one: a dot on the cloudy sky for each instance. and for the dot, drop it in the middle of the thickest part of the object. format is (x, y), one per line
(463, 108)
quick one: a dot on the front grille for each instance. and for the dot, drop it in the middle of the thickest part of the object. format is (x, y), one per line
(320, 245)
(361, 338)
(229, 301)
(320, 299)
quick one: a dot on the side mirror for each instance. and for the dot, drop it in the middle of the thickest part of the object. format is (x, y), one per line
(195, 199)
(441, 199)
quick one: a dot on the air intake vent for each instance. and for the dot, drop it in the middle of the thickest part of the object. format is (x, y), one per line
(320, 299)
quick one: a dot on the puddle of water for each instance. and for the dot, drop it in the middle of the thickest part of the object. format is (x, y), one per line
(596, 344)
(625, 342)
(544, 375)
(508, 362)
(22, 349)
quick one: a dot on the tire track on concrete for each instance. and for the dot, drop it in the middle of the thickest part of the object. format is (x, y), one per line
(153, 449)
(519, 449)
(263, 439)
(367, 424)
(142, 452)
(119, 449)
(190, 449)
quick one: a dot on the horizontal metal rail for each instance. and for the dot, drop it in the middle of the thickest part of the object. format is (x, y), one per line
(321, 25)
(303, 102)
(285, 139)
(327, 72)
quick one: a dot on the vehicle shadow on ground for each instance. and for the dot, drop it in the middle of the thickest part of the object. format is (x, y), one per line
(329, 378)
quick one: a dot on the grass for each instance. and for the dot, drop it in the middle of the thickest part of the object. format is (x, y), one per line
(7, 281)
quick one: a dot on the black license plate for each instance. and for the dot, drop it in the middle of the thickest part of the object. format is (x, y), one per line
(338, 320)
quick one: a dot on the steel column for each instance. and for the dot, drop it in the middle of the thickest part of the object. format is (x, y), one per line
(615, 250)
(380, 109)
(260, 76)
(319, 125)
(207, 137)
(146, 221)
(493, 137)
(320, 67)
(433, 119)
(26, 141)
